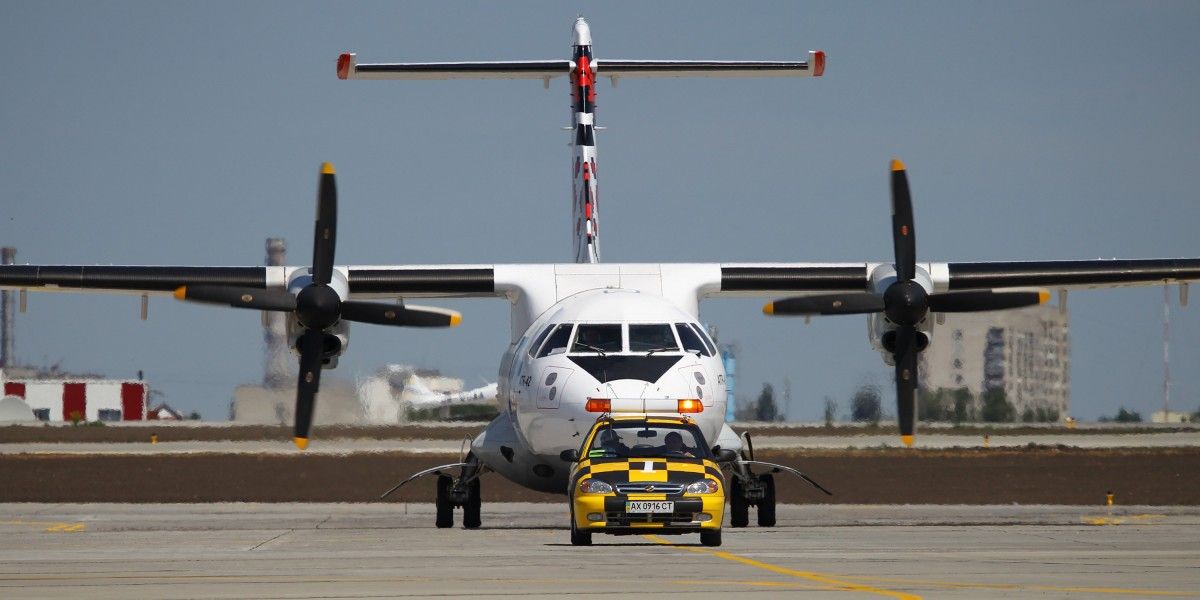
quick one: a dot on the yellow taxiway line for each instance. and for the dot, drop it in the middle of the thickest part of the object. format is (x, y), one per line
(835, 584)
(843, 583)
(51, 526)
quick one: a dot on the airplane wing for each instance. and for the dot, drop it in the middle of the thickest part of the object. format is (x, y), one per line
(447, 281)
(767, 279)
(714, 280)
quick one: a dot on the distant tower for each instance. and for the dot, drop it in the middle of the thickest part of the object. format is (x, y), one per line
(8, 256)
(277, 368)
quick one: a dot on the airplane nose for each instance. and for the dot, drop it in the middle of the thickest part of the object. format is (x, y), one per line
(582, 36)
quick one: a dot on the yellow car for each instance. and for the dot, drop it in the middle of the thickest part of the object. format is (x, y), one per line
(645, 474)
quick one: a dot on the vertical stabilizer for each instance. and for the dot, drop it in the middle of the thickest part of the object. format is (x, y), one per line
(584, 213)
(583, 71)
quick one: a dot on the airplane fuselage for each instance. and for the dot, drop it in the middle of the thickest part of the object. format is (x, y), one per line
(626, 346)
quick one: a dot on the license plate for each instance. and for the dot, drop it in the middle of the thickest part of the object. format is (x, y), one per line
(649, 507)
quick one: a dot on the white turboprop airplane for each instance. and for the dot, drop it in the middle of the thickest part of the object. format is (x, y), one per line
(590, 337)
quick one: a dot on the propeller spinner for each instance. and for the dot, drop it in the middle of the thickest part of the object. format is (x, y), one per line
(318, 306)
(905, 303)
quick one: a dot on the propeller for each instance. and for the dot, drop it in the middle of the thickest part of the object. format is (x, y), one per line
(318, 306)
(905, 303)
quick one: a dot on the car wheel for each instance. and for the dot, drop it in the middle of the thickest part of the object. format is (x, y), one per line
(711, 538)
(445, 510)
(471, 517)
(579, 538)
(766, 506)
(739, 508)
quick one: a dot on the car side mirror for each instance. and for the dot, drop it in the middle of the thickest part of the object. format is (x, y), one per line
(724, 455)
(571, 456)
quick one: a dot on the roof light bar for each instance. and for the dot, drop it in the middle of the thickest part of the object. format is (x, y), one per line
(644, 405)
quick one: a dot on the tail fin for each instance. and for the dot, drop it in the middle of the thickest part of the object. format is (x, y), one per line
(583, 71)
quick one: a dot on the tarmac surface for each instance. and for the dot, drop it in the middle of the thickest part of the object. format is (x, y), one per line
(174, 551)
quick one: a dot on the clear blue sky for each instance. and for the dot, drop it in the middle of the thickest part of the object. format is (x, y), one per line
(186, 133)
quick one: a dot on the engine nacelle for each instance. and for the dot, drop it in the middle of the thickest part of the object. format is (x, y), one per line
(337, 339)
(880, 331)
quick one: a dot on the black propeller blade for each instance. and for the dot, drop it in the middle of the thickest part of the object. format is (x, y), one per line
(311, 345)
(318, 306)
(905, 303)
(394, 314)
(904, 242)
(827, 304)
(977, 301)
(256, 298)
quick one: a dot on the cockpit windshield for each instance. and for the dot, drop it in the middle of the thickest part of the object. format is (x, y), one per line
(657, 337)
(599, 339)
(639, 440)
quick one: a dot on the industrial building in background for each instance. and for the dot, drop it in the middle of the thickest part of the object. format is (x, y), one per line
(1025, 353)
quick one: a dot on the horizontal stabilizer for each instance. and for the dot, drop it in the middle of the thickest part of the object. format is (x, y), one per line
(814, 67)
(348, 68)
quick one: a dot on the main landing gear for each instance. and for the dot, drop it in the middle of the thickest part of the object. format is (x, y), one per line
(454, 492)
(748, 489)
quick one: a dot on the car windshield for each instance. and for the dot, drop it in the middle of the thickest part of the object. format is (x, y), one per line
(639, 440)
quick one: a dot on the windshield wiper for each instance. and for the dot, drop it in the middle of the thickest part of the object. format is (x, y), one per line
(592, 348)
(663, 349)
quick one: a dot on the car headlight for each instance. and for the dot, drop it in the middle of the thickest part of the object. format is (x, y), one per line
(594, 486)
(708, 486)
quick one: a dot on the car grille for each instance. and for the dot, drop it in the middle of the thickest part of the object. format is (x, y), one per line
(670, 489)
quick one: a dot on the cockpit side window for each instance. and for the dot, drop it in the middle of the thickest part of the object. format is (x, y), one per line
(691, 341)
(656, 337)
(598, 338)
(712, 348)
(537, 341)
(557, 342)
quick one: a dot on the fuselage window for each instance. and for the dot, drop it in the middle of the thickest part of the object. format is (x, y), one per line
(691, 341)
(712, 348)
(537, 341)
(557, 342)
(656, 337)
(597, 338)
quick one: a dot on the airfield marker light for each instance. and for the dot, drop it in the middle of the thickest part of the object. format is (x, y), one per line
(600, 405)
(1108, 498)
(690, 405)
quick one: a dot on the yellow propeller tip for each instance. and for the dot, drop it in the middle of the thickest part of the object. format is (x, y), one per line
(455, 319)
(181, 292)
(327, 168)
(301, 443)
(908, 440)
(897, 165)
(1043, 297)
(769, 308)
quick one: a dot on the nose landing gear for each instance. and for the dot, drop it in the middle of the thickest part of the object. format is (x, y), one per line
(454, 492)
(758, 490)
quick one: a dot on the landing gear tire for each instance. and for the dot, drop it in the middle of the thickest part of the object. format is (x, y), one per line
(471, 510)
(445, 509)
(711, 538)
(579, 538)
(739, 508)
(766, 506)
